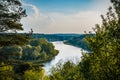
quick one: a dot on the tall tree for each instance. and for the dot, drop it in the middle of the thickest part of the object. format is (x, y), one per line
(104, 61)
(11, 12)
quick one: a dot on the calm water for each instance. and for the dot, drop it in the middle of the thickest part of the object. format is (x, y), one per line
(66, 52)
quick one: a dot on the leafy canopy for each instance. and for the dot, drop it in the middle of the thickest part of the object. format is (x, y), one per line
(11, 12)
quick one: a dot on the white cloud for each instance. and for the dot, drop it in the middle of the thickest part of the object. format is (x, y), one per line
(74, 23)
(56, 22)
(37, 20)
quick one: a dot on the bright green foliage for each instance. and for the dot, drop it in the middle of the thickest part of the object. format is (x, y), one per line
(34, 75)
(6, 67)
(6, 72)
(69, 71)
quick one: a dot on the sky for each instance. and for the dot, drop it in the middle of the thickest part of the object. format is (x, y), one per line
(63, 16)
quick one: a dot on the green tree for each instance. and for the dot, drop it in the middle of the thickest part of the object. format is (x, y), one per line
(11, 52)
(34, 75)
(68, 71)
(11, 12)
(104, 61)
(39, 49)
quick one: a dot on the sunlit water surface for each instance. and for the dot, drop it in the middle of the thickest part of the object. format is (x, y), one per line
(66, 52)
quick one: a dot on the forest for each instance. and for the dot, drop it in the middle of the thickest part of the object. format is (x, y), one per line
(79, 42)
(21, 55)
(57, 37)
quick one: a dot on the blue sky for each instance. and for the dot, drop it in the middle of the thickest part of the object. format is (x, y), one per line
(63, 16)
(61, 5)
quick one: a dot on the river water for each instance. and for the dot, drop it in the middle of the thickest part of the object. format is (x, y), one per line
(66, 52)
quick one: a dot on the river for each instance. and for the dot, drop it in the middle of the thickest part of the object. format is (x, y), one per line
(66, 52)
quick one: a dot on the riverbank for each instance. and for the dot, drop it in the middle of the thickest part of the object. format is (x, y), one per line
(66, 53)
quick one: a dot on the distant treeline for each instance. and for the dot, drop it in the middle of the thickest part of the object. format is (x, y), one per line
(56, 37)
(77, 40)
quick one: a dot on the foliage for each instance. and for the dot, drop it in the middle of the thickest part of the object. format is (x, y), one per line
(6, 72)
(39, 49)
(56, 37)
(69, 71)
(104, 61)
(8, 39)
(102, 64)
(79, 42)
(34, 75)
(10, 14)
(36, 49)
(26, 60)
